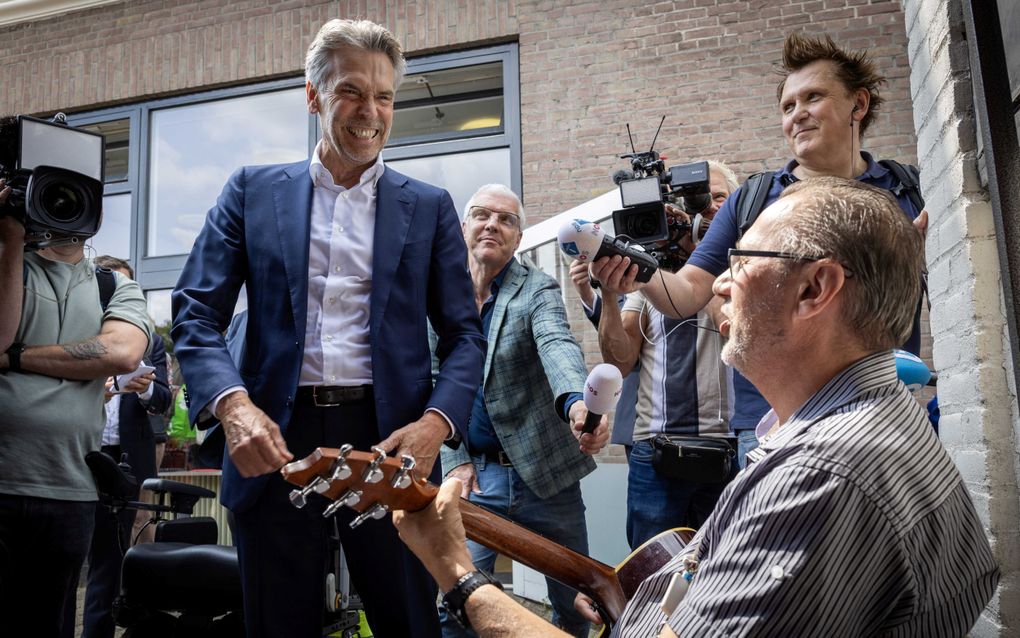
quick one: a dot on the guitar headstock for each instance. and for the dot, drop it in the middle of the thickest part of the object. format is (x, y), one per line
(370, 483)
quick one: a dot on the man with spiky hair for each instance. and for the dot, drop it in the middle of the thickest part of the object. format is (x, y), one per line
(828, 98)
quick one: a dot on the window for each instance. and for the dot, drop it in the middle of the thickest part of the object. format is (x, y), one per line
(456, 125)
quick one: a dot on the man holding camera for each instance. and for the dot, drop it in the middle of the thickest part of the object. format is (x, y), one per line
(682, 391)
(59, 345)
(851, 519)
(827, 100)
(525, 454)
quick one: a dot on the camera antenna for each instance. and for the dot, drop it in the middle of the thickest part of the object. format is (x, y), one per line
(656, 134)
(631, 138)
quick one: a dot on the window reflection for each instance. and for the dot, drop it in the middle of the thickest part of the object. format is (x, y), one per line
(114, 236)
(449, 104)
(459, 173)
(194, 149)
(117, 134)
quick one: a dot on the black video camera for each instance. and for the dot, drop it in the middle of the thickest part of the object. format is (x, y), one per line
(56, 181)
(645, 192)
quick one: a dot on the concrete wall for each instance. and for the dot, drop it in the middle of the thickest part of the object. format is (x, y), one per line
(971, 347)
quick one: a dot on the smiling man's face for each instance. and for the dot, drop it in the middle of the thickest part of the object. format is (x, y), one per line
(817, 111)
(492, 230)
(355, 111)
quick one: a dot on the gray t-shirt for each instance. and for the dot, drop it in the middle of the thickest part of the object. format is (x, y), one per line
(47, 425)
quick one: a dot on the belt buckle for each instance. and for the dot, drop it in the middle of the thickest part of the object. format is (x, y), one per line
(322, 404)
(504, 460)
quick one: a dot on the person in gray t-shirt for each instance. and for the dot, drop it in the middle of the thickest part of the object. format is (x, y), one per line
(57, 347)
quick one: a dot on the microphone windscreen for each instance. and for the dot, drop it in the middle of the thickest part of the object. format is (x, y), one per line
(580, 239)
(913, 372)
(602, 388)
(622, 175)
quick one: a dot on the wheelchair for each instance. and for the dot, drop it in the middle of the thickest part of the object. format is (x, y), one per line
(184, 584)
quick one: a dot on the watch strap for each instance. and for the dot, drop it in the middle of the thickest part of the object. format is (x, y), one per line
(455, 599)
(14, 356)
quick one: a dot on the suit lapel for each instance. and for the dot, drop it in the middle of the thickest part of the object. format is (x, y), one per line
(292, 205)
(394, 208)
(512, 284)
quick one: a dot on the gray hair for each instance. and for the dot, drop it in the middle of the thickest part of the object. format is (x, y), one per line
(863, 228)
(498, 190)
(359, 34)
(728, 175)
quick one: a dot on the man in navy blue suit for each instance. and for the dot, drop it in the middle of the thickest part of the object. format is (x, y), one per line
(345, 263)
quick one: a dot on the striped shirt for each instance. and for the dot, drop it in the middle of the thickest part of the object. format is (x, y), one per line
(851, 521)
(684, 383)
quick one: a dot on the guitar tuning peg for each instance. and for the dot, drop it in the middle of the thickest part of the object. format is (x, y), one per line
(350, 498)
(372, 473)
(402, 477)
(377, 511)
(299, 498)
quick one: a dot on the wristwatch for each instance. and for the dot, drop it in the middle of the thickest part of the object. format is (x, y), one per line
(14, 357)
(455, 599)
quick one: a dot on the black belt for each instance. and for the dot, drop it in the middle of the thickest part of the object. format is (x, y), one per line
(329, 396)
(499, 457)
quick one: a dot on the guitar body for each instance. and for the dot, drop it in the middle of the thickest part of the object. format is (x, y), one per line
(382, 484)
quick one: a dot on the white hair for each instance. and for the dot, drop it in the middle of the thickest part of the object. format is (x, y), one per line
(498, 190)
(359, 34)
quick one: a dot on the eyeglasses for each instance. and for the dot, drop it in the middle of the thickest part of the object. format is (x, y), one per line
(738, 258)
(482, 215)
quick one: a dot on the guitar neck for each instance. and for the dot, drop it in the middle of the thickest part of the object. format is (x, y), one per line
(585, 574)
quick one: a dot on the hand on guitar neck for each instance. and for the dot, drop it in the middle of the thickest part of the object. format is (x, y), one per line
(434, 521)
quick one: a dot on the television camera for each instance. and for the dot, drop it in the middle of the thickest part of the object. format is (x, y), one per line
(56, 179)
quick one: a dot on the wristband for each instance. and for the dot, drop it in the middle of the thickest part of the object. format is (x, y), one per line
(14, 357)
(455, 599)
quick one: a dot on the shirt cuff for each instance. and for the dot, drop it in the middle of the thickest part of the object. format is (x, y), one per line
(572, 398)
(145, 396)
(588, 311)
(209, 411)
(453, 430)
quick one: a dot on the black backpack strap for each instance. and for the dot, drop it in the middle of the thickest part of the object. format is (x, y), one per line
(752, 200)
(909, 179)
(107, 284)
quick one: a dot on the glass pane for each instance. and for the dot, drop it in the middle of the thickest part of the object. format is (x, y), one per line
(117, 140)
(451, 103)
(194, 149)
(459, 173)
(114, 236)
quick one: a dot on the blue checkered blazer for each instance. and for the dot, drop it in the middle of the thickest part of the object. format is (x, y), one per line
(532, 363)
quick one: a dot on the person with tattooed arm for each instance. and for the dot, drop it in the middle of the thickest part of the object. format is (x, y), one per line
(57, 348)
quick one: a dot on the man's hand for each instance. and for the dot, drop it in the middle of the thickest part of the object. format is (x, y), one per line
(467, 476)
(421, 440)
(582, 282)
(586, 607)
(596, 440)
(255, 443)
(436, 536)
(617, 275)
(139, 384)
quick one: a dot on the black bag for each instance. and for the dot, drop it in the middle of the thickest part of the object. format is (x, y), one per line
(699, 459)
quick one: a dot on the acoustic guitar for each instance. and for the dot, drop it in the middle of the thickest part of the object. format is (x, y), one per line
(374, 484)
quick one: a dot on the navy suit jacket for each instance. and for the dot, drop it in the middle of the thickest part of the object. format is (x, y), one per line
(258, 235)
(135, 428)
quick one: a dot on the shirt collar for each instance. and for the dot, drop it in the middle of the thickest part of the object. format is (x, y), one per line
(322, 177)
(874, 371)
(874, 170)
(497, 281)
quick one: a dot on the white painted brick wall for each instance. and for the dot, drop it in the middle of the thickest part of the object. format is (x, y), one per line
(971, 350)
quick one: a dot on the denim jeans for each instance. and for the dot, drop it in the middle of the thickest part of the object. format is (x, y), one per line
(656, 503)
(746, 441)
(559, 518)
(43, 543)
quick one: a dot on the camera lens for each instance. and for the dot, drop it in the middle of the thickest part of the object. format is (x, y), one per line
(645, 225)
(62, 202)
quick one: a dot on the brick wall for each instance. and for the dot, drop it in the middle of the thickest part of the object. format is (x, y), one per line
(971, 348)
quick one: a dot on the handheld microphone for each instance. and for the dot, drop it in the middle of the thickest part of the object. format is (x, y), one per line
(585, 241)
(913, 372)
(601, 392)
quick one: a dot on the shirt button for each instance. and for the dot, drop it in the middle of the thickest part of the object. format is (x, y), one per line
(332, 379)
(339, 228)
(336, 268)
(329, 338)
(332, 300)
(778, 572)
(345, 194)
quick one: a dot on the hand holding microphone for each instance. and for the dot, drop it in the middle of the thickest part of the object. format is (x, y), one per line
(586, 242)
(601, 392)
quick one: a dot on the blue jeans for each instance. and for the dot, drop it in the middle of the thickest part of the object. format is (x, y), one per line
(746, 441)
(43, 543)
(559, 518)
(656, 503)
